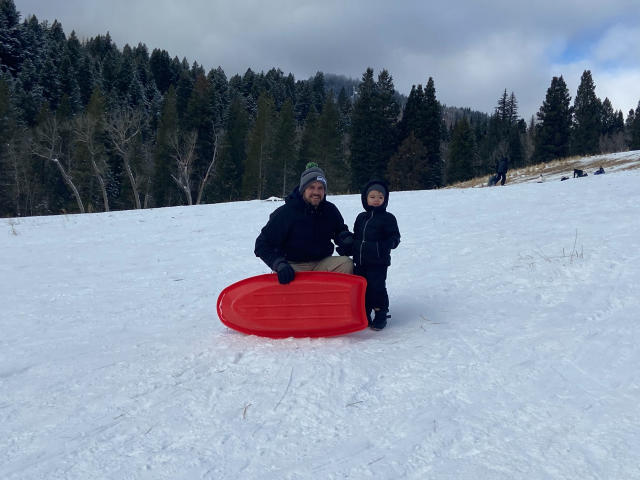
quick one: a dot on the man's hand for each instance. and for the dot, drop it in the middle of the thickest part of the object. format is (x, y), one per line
(285, 272)
(345, 243)
(345, 239)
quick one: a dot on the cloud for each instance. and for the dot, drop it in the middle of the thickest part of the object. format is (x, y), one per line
(620, 45)
(473, 50)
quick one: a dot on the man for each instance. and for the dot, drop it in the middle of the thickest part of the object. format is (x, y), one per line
(501, 170)
(298, 235)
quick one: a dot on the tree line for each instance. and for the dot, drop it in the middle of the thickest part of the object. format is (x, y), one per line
(86, 126)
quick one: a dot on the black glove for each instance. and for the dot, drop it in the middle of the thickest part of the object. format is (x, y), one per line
(345, 239)
(285, 272)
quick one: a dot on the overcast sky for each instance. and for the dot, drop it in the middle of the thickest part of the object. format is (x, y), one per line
(473, 49)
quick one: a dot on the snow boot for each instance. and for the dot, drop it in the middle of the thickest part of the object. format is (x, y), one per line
(367, 310)
(380, 320)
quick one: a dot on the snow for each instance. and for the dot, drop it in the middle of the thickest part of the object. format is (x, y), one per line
(512, 351)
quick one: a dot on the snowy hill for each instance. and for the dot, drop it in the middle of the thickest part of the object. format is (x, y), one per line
(512, 351)
(563, 168)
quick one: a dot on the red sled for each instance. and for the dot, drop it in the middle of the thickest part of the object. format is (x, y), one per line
(315, 304)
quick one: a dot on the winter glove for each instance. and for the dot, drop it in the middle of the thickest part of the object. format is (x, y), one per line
(345, 239)
(285, 272)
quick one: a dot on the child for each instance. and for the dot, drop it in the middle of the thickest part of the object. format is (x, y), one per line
(375, 235)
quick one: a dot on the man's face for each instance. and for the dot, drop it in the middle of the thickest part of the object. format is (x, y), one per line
(314, 193)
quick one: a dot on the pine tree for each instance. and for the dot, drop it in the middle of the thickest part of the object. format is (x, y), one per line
(164, 193)
(363, 131)
(503, 112)
(284, 150)
(330, 154)
(110, 69)
(634, 130)
(29, 94)
(69, 84)
(219, 96)
(304, 101)
(462, 152)
(345, 108)
(412, 114)
(8, 184)
(554, 128)
(259, 152)
(318, 91)
(11, 53)
(162, 69)
(586, 118)
(183, 94)
(229, 169)
(374, 128)
(309, 144)
(199, 118)
(432, 135)
(408, 166)
(87, 78)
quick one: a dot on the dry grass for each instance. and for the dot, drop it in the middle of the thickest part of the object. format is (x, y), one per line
(556, 169)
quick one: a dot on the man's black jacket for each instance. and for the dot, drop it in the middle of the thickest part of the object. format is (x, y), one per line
(298, 232)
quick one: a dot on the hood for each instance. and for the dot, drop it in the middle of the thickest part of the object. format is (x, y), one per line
(363, 195)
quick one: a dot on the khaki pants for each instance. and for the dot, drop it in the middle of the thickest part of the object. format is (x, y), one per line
(328, 264)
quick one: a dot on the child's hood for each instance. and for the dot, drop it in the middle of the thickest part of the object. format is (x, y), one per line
(363, 195)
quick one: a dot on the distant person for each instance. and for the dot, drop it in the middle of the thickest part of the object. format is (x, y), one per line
(375, 234)
(299, 234)
(502, 167)
(600, 171)
(579, 173)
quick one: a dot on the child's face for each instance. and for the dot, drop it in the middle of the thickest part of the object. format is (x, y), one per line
(375, 198)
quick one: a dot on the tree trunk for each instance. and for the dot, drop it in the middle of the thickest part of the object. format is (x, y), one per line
(210, 168)
(70, 184)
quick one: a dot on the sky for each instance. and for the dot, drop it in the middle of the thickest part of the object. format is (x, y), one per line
(474, 50)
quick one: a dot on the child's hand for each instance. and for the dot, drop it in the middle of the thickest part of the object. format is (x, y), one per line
(390, 243)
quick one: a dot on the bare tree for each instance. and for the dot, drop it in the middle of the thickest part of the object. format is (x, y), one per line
(85, 133)
(48, 145)
(123, 127)
(183, 152)
(205, 179)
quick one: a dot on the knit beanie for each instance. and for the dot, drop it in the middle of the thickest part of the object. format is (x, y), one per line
(378, 188)
(313, 173)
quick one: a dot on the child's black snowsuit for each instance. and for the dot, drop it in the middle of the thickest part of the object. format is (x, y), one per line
(375, 234)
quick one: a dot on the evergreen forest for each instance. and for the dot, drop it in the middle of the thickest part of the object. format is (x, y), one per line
(86, 126)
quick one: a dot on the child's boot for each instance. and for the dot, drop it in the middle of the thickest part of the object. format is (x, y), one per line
(380, 320)
(368, 309)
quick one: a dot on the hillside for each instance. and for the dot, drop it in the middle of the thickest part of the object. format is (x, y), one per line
(555, 170)
(512, 351)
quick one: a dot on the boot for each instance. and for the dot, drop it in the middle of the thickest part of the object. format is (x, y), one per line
(380, 320)
(368, 309)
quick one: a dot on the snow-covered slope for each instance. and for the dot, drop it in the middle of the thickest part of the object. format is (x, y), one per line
(512, 351)
(563, 168)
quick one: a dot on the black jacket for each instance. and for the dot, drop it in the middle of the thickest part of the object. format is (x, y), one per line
(502, 165)
(375, 232)
(298, 232)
